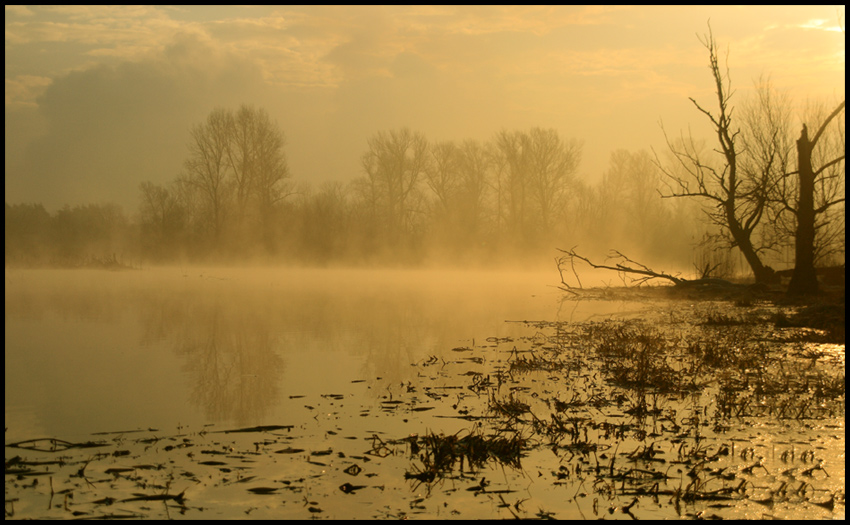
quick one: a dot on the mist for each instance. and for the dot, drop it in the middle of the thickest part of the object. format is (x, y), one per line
(343, 262)
(103, 106)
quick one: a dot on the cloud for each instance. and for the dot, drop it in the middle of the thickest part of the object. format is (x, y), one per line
(23, 90)
(17, 10)
(108, 128)
(113, 90)
(90, 25)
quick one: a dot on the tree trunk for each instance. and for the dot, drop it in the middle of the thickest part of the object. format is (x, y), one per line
(763, 273)
(804, 279)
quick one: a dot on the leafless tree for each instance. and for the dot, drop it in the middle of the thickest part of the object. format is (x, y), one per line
(161, 218)
(442, 173)
(257, 162)
(207, 168)
(394, 165)
(819, 178)
(767, 141)
(736, 196)
(457, 175)
(629, 204)
(553, 163)
(474, 164)
(238, 167)
(534, 172)
(510, 181)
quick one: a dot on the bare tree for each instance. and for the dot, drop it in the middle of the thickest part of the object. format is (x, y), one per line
(442, 173)
(534, 172)
(394, 165)
(238, 167)
(806, 201)
(161, 217)
(474, 164)
(457, 175)
(553, 163)
(804, 279)
(629, 206)
(257, 163)
(510, 181)
(324, 222)
(737, 198)
(207, 167)
(767, 141)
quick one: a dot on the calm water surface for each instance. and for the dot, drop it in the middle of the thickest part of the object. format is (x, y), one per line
(95, 351)
(343, 362)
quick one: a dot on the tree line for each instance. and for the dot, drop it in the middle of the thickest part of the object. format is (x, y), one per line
(514, 196)
(511, 198)
(72, 236)
(758, 190)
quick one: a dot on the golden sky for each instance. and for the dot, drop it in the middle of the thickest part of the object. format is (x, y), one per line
(100, 98)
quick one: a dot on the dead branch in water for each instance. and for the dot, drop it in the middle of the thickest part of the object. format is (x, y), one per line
(625, 267)
(633, 273)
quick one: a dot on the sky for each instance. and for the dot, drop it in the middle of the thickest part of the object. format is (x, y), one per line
(102, 98)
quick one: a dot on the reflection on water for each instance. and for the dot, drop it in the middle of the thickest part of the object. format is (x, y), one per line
(230, 360)
(91, 351)
(319, 385)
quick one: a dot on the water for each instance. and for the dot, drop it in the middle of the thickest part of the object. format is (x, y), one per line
(352, 371)
(94, 351)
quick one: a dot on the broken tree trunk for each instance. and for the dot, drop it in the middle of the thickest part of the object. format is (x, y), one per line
(804, 280)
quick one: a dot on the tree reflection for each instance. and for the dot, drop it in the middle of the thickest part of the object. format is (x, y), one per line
(230, 360)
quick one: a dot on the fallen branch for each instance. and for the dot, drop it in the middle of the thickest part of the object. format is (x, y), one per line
(621, 264)
(264, 428)
(627, 268)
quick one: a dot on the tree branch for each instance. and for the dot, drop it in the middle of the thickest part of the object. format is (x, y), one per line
(826, 122)
(624, 266)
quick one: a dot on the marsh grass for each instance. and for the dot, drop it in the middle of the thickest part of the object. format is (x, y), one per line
(509, 407)
(439, 456)
(635, 356)
(668, 387)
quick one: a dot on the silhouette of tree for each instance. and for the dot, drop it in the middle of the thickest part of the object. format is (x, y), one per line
(737, 198)
(206, 169)
(510, 181)
(442, 173)
(534, 171)
(804, 279)
(632, 214)
(394, 165)
(474, 165)
(258, 167)
(161, 219)
(238, 168)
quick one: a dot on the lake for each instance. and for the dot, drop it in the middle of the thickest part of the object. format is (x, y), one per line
(94, 351)
(339, 393)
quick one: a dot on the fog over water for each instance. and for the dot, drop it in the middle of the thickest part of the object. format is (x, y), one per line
(261, 258)
(92, 351)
